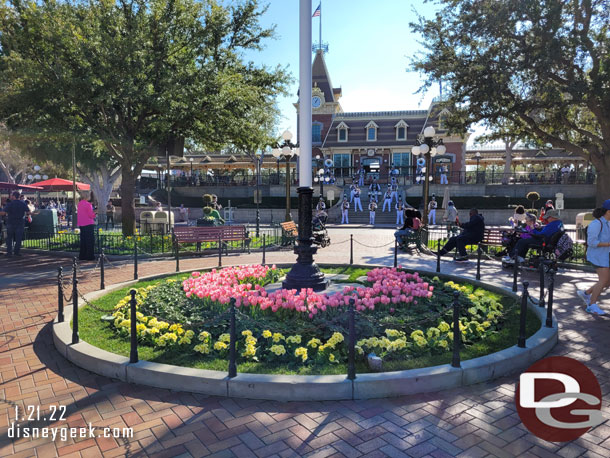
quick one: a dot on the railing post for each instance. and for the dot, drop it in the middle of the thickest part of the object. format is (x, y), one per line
(177, 250)
(351, 249)
(478, 277)
(163, 239)
(541, 267)
(102, 275)
(549, 305)
(60, 295)
(523, 315)
(264, 248)
(395, 253)
(232, 343)
(135, 257)
(515, 274)
(438, 255)
(457, 334)
(133, 353)
(151, 241)
(351, 357)
(219, 250)
(75, 338)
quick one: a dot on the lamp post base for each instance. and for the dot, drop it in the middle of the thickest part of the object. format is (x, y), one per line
(305, 273)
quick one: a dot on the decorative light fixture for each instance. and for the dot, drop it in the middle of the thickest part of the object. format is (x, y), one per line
(430, 146)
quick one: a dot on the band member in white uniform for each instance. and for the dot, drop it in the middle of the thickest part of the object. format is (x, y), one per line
(444, 175)
(361, 177)
(387, 200)
(400, 212)
(394, 189)
(352, 191)
(432, 211)
(374, 190)
(357, 202)
(321, 205)
(344, 211)
(372, 210)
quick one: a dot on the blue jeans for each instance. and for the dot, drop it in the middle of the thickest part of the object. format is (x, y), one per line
(14, 234)
(400, 233)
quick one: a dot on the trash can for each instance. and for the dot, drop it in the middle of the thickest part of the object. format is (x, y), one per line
(161, 223)
(146, 221)
(44, 224)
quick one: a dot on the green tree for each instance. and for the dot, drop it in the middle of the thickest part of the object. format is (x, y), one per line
(133, 74)
(541, 66)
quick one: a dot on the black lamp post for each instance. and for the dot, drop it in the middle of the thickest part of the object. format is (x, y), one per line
(287, 150)
(259, 159)
(429, 146)
(477, 155)
(320, 178)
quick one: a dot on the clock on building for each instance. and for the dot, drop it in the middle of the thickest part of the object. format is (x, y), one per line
(316, 101)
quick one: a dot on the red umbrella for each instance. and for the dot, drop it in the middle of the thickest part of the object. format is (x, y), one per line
(59, 184)
(8, 186)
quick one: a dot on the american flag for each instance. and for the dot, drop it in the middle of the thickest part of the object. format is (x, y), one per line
(317, 12)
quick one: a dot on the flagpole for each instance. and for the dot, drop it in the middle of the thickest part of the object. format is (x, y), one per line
(320, 26)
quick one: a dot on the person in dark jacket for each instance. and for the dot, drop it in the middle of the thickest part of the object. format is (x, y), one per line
(472, 233)
(16, 211)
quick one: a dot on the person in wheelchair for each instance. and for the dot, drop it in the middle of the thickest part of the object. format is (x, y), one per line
(535, 238)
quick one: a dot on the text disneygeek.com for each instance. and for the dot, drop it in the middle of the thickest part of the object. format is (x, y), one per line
(62, 433)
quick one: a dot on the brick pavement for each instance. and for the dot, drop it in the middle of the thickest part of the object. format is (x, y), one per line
(474, 421)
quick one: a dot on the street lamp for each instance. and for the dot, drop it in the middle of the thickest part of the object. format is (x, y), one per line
(477, 155)
(259, 160)
(320, 178)
(286, 151)
(428, 145)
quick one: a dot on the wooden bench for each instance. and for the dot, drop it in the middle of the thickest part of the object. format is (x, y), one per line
(290, 233)
(492, 237)
(222, 234)
(419, 238)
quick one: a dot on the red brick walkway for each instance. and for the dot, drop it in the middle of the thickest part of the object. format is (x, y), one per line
(479, 420)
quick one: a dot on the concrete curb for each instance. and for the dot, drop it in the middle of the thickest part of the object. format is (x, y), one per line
(307, 388)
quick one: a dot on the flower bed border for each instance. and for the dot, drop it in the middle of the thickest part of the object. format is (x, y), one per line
(307, 387)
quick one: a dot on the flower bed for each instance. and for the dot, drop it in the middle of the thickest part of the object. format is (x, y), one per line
(400, 316)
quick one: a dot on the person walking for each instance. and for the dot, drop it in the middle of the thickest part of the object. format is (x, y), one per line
(16, 210)
(357, 202)
(598, 254)
(472, 233)
(432, 211)
(345, 211)
(85, 219)
(387, 200)
(450, 217)
(372, 210)
(110, 214)
(400, 212)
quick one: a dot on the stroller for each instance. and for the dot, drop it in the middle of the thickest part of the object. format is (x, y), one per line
(320, 234)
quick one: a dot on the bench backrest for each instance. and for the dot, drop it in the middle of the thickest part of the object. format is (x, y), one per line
(492, 237)
(192, 234)
(289, 226)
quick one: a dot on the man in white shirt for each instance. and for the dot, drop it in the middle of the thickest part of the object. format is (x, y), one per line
(345, 211)
(387, 200)
(357, 202)
(372, 210)
(400, 212)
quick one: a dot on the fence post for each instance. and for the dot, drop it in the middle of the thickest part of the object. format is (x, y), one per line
(351, 357)
(133, 353)
(163, 239)
(549, 305)
(219, 250)
(515, 273)
(99, 239)
(478, 277)
(135, 256)
(351, 249)
(438, 255)
(541, 266)
(522, 316)
(457, 334)
(177, 250)
(395, 253)
(264, 248)
(102, 275)
(60, 295)
(232, 343)
(75, 338)
(151, 241)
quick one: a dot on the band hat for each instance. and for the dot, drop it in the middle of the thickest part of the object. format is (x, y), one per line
(551, 214)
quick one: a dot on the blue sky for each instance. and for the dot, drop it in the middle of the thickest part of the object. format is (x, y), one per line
(370, 47)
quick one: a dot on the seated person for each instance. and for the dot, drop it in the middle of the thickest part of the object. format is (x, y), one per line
(472, 233)
(519, 217)
(412, 224)
(553, 225)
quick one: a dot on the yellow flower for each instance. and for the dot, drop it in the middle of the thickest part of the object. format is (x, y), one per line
(246, 333)
(219, 346)
(302, 353)
(331, 358)
(267, 334)
(394, 333)
(278, 350)
(140, 327)
(202, 348)
(294, 339)
(359, 349)
(224, 338)
(185, 341)
(314, 343)
(443, 344)
(189, 334)
(444, 327)
(277, 337)
(203, 336)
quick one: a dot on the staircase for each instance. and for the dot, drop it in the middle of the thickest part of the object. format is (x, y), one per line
(362, 217)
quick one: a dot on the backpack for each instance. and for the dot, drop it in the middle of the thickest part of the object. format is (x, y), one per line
(564, 247)
(601, 228)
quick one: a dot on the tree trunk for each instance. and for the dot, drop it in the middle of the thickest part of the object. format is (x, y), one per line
(602, 170)
(128, 208)
(101, 181)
